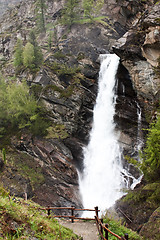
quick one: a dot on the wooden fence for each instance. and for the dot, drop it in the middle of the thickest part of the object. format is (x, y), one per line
(72, 216)
(102, 229)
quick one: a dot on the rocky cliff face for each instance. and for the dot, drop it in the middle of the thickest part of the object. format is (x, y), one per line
(69, 93)
(7, 4)
(139, 51)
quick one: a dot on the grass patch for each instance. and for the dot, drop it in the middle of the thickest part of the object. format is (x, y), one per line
(60, 68)
(100, 19)
(62, 93)
(35, 176)
(57, 131)
(149, 194)
(117, 228)
(24, 220)
(24, 166)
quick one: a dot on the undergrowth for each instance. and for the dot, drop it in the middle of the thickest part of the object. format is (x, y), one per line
(119, 229)
(21, 219)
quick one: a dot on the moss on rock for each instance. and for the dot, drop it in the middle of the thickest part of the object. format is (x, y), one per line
(151, 230)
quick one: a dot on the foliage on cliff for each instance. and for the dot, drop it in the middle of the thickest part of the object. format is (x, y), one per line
(118, 228)
(21, 219)
(151, 153)
(29, 56)
(19, 109)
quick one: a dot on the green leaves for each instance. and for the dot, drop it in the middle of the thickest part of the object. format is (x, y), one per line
(40, 15)
(74, 8)
(70, 12)
(20, 109)
(30, 56)
(18, 59)
(88, 5)
(19, 104)
(151, 154)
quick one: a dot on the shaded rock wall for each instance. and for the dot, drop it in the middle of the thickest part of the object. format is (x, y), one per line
(139, 51)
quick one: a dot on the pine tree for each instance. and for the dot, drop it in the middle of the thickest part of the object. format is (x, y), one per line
(70, 13)
(28, 56)
(3, 99)
(21, 105)
(19, 109)
(50, 40)
(87, 6)
(151, 153)
(38, 56)
(40, 9)
(18, 55)
(91, 7)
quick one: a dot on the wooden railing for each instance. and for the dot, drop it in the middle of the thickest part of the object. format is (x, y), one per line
(103, 229)
(72, 216)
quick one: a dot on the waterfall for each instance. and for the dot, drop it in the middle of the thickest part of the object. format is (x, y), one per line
(101, 181)
(139, 138)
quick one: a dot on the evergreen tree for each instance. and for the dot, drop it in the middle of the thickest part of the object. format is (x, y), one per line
(21, 104)
(40, 9)
(3, 99)
(18, 55)
(50, 40)
(151, 153)
(91, 7)
(87, 6)
(19, 109)
(99, 5)
(70, 13)
(28, 56)
(38, 56)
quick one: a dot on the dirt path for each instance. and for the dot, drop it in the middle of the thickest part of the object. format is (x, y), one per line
(87, 230)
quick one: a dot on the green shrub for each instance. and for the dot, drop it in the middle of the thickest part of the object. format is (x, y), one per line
(120, 230)
(31, 222)
(59, 55)
(57, 131)
(19, 109)
(151, 153)
(4, 155)
(18, 54)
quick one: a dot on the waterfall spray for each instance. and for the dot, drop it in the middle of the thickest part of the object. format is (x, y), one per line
(101, 181)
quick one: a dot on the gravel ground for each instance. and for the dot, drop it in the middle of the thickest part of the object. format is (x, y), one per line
(87, 229)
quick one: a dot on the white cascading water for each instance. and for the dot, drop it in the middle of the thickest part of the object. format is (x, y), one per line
(101, 182)
(139, 138)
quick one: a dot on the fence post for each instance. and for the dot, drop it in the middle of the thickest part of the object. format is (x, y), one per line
(106, 232)
(72, 213)
(101, 227)
(49, 211)
(126, 236)
(96, 210)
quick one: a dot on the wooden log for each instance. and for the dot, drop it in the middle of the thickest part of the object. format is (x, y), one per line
(126, 236)
(72, 213)
(79, 218)
(124, 215)
(49, 210)
(101, 226)
(93, 210)
(98, 227)
(106, 231)
(25, 196)
(96, 210)
(113, 233)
